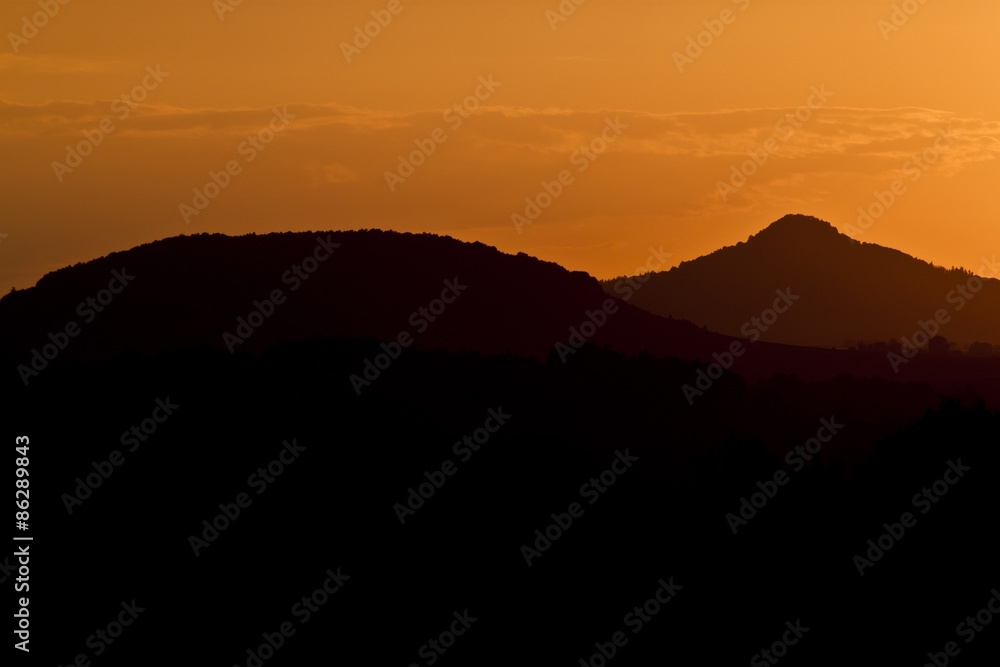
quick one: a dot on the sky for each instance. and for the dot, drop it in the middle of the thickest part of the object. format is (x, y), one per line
(584, 134)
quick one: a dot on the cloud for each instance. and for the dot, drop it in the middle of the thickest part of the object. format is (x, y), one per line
(877, 133)
(329, 167)
(50, 64)
(492, 139)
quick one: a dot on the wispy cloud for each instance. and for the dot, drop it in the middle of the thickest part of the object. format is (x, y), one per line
(50, 64)
(328, 168)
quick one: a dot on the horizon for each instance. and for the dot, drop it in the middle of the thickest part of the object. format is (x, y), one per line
(978, 272)
(713, 293)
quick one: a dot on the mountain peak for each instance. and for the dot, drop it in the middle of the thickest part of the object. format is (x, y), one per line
(850, 291)
(792, 232)
(800, 224)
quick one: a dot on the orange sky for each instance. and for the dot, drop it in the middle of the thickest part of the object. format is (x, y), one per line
(671, 134)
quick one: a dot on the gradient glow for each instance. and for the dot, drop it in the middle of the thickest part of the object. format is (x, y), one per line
(657, 184)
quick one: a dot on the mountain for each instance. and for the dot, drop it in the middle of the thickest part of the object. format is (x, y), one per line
(250, 292)
(849, 292)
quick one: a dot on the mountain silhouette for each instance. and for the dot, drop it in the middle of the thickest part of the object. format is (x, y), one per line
(850, 292)
(192, 291)
(249, 293)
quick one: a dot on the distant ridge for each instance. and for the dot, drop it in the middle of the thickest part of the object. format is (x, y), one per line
(849, 291)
